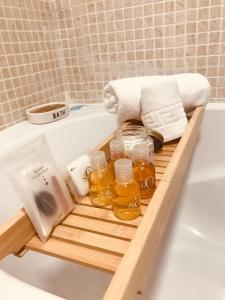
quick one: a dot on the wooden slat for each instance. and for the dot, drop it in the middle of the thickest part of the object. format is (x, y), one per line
(75, 253)
(158, 176)
(160, 170)
(144, 204)
(102, 214)
(162, 158)
(86, 202)
(159, 163)
(170, 148)
(97, 226)
(91, 240)
(165, 152)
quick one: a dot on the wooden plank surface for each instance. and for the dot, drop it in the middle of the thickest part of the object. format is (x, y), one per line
(101, 227)
(140, 256)
(96, 228)
(75, 253)
(94, 237)
(161, 163)
(91, 240)
(102, 214)
(15, 233)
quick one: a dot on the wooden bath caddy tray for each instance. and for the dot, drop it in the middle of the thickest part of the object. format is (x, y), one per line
(94, 237)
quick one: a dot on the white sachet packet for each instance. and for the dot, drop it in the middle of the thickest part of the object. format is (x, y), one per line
(37, 181)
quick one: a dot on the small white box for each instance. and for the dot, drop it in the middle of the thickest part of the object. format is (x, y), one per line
(78, 172)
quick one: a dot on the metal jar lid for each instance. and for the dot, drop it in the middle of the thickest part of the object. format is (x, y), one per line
(157, 138)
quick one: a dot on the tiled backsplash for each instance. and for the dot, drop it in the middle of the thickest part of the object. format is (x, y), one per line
(104, 40)
(29, 68)
(70, 48)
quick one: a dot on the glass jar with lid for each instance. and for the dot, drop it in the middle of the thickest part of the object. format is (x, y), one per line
(132, 135)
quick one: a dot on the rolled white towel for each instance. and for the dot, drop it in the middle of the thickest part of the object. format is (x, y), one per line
(162, 109)
(122, 96)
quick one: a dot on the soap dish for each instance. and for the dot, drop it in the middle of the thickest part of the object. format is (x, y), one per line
(47, 113)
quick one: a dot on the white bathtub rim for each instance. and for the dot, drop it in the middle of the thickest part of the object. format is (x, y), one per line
(215, 106)
(25, 131)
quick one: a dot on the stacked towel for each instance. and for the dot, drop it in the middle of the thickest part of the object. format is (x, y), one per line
(162, 109)
(122, 96)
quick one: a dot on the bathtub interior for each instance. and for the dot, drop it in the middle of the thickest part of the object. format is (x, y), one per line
(210, 162)
(191, 260)
(67, 139)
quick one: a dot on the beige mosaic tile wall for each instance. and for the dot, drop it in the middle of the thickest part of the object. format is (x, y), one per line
(104, 40)
(69, 49)
(29, 68)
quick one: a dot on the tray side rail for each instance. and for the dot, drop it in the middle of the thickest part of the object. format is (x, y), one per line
(15, 233)
(130, 276)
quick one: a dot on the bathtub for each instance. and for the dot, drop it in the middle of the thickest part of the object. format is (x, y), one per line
(191, 258)
(67, 138)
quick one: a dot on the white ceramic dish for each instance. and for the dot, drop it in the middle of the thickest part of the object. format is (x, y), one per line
(47, 113)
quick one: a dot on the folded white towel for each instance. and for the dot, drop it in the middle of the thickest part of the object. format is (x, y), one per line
(122, 96)
(162, 109)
